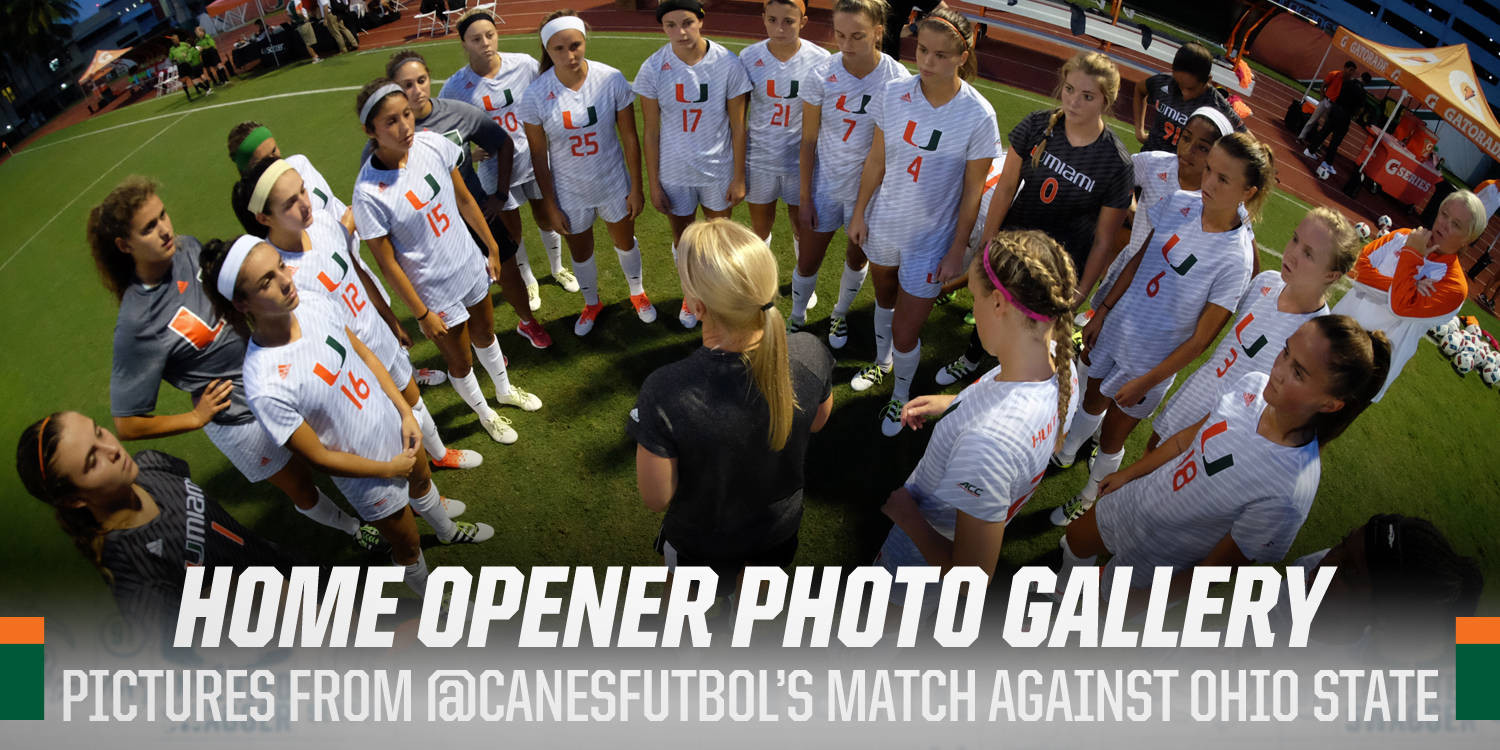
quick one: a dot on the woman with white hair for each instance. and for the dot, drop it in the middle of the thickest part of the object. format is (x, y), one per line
(1411, 279)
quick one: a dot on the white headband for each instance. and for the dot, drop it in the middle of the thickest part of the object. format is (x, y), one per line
(233, 261)
(562, 23)
(262, 191)
(1216, 117)
(375, 98)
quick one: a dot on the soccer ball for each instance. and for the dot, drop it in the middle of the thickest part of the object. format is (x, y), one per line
(1363, 229)
(1323, 171)
(1384, 222)
(1451, 343)
(1490, 373)
(1440, 330)
(1464, 361)
(1473, 329)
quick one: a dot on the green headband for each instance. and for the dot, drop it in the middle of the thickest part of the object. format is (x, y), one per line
(247, 147)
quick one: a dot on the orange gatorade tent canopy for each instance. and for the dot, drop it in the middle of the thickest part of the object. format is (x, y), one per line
(1441, 79)
(104, 60)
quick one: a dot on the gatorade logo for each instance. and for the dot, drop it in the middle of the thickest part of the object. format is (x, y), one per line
(682, 94)
(842, 104)
(932, 139)
(567, 119)
(490, 106)
(771, 90)
(411, 196)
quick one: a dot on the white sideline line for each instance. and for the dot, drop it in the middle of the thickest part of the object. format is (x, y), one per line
(91, 185)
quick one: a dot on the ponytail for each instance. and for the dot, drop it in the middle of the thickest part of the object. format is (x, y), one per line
(34, 454)
(732, 272)
(1358, 363)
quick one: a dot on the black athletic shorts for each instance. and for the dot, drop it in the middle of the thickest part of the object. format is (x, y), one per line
(490, 206)
(210, 58)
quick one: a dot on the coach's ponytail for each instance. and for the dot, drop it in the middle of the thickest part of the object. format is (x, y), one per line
(1106, 76)
(1358, 363)
(732, 272)
(1038, 275)
(961, 31)
(109, 222)
(34, 454)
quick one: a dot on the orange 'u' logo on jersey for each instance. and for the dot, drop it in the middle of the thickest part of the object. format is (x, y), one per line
(418, 204)
(490, 106)
(843, 104)
(682, 94)
(932, 140)
(568, 120)
(771, 90)
(189, 326)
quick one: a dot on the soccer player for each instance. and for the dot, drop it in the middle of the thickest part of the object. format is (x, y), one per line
(167, 329)
(465, 124)
(693, 98)
(990, 449)
(837, 129)
(1410, 280)
(933, 144)
(1172, 97)
(722, 435)
(139, 520)
(579, 116)
(314, 247)
(1169, 304)
(1320, 251)
(404, 199)
(324, 395)
(1235, 486)
(779, 67)
(1066, 174)
(494, 82)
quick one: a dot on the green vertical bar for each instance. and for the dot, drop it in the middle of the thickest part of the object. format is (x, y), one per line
(22, 690)
(1478, 681)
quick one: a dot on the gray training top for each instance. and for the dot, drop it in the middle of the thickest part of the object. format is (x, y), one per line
(170, 332)
(465, 123)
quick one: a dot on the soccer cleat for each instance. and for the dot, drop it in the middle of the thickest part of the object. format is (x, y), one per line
(812, 300)
(470, 533)
(534, 333)
(869, 377)
(458, 459)
(1077, 341)
(686, 317)
(455, 508)
(1070, 511)
(794, 325)
(499, 429)
(1307, 152)
(890, 418)
(431, 378)
(969, 318)
(944, 298)
(643, 307)
(520, 399)
(566, 280)
(838, 331)
(1055, 464)
(956, 370)
(533, 297)
(586, 319)
(369, 539)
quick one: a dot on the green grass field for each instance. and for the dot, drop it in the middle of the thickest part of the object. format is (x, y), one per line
(565, 494)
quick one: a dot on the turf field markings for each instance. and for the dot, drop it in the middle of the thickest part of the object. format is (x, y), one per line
(91, 185)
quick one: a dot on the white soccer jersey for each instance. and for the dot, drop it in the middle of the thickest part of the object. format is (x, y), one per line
(326, 271)
(499, 98)
(318, 191)
(417, 208)
(1184, 269)
(989, 451)
(1156, 176)
(775, 114)
(1259, 333)
(695, 150)
(583, 149)
(927, 150)
(1229, 481)
(846, 125)
(319, 379)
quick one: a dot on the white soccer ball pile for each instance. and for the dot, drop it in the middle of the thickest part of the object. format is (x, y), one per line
(1437, 332)
(1464, 361)
(1490, 373)
(1363, 229)
(1451, 343)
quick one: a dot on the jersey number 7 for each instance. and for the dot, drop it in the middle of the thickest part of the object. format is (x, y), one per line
(696, 115)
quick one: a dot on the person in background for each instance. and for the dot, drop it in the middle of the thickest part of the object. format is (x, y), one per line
(300, 20)
(1350, 103)
(1331, 85)
(898, 16)
(335, 25)
(189, 66)
(1174, 96)
(208, 51)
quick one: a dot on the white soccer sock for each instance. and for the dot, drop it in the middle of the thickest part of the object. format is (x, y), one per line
(1069, 562)
(431, 440)
(1083, 427)
(588, 280)
(415, 574)
(493, 361)
(883, 318)
(1104, 465)
(553, 242)
(905, 369)
(849, 284)
(468, 389)
(331, 515)
(523, 263)
(430, 508)
(630, 263)
(802, 290)
(767, 239)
